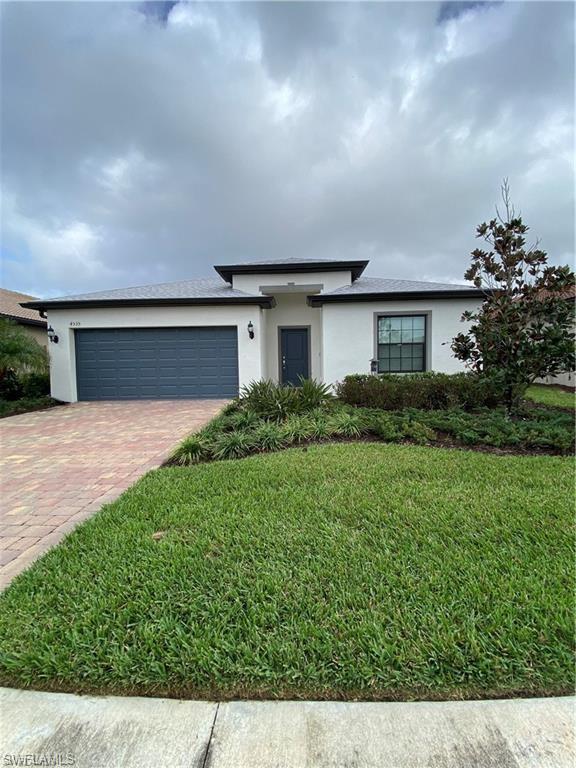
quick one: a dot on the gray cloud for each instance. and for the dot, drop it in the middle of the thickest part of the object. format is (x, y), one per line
(146, 146)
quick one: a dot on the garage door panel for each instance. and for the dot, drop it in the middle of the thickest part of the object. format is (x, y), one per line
(152, 363)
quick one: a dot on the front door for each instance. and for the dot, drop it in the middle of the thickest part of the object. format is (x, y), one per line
(294, 355)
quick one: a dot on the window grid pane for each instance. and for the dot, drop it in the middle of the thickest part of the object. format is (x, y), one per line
(401, 341)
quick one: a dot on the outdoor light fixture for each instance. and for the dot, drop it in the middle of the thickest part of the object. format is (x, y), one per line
(250, 329)
(52, 334)
(373, 366)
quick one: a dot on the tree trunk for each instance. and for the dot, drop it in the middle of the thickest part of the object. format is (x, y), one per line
(513, 394)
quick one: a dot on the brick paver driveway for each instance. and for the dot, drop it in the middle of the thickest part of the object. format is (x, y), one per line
(59, 466)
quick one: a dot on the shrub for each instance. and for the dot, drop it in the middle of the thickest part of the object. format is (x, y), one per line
(232, 445)
(347, 424)
(313, 394)
(241, 432)
(554, 438)
(297, 429)
(419, 432)
(322, 428)
(217, 426)
(387, 428)
(269, 437)
(421, 390)
(19, 352)
(270, 400)
(276, 402)
(536, 429)
(242, 420)
(26, 405)
(29, 386)
(191, 450)
(232, 407)
(10, 386)
(35, 385)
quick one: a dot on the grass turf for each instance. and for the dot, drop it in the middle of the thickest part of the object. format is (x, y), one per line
(341, 571)
(554, 396)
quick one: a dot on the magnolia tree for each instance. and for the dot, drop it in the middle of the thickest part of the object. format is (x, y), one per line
(525, 327)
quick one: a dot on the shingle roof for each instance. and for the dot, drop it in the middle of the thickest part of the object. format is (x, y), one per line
(214, 291)
(288, 261)
(367, 288)
(568, 293)
(203, 290)
(10, 307)
(390, 285)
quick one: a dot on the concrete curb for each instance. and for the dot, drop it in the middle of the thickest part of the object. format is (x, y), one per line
(98, 732)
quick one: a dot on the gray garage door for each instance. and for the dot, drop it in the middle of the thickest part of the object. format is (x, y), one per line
(155, 363)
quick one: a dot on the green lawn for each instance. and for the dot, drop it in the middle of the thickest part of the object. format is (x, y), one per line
(554, 396)
(373, 571)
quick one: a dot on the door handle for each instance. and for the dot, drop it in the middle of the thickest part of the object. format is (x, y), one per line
(283, 361)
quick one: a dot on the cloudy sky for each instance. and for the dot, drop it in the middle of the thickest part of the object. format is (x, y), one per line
(143, 143)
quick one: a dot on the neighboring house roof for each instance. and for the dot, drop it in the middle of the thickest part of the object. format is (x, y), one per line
(10, 302)
(568, 293)
(201, 291)
(290, 265)
(371, 288)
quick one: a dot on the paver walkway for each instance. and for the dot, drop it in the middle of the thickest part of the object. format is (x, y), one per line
(116, 732)
(57, 467)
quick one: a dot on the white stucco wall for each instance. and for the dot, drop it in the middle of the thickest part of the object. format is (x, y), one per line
(348, 337)
(292, 309)
(329, 280)
(251, 352)
(562, 379)
(342, 335)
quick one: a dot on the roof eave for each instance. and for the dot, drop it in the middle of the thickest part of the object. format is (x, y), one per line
(226, 271)
(24, 320)
(319, 299)
(265, 302)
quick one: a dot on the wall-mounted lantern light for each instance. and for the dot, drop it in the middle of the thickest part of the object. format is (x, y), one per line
(52, 334)
(251, 330)
(373, 366)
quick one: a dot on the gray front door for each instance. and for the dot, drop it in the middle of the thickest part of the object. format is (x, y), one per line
(294, 355)
(156, 363)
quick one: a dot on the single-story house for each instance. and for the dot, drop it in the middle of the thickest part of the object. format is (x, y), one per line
(277, 320)
(29, 319)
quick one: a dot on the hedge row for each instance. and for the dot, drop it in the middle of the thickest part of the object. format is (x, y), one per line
(424, 391)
